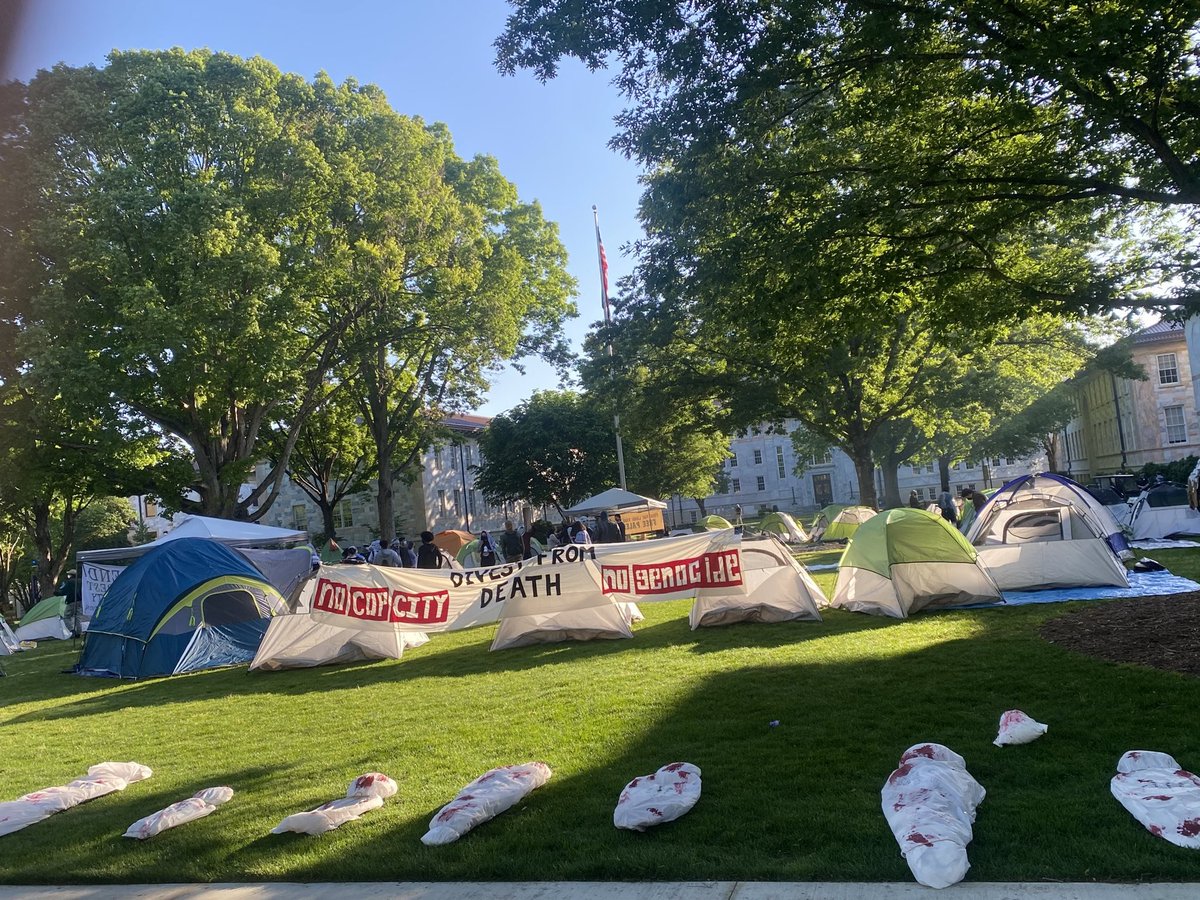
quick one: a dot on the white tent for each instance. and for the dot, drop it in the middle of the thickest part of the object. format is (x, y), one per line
(298, 642)
(1162, 511)
(1046, 531)
(9, 643)
(614, 498)
(224, 531)
(546, 625)
(778, 589)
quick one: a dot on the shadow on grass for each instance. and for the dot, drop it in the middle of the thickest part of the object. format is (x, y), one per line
(799, 801)
(470, 657)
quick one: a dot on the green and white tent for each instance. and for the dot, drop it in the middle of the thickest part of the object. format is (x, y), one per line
(45, 621)
(839, 523)
(714, 523)
(785, 527)
(905, 560)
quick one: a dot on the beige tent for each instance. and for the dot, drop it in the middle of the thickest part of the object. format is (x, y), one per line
(542, 623)
(296, 641)
(778, 589)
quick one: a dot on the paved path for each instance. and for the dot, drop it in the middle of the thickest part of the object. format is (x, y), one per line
(548, 890)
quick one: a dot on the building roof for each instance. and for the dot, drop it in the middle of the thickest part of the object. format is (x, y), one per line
(1159, 331)
(466, 423)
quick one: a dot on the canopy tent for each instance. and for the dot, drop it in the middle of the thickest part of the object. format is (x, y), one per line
(784, 527)
(297, 641)
(903, 561)
(1161, 511)
(1045, 531)
(839, 523)
(778, 589)
(223, 531)
(45, 621)
(188, 604)
(613, 499)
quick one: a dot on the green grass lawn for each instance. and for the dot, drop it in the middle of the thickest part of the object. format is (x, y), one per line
(796, 802)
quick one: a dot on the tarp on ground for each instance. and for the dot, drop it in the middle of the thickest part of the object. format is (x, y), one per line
(903, 561)
(613, 499)
(224, 531)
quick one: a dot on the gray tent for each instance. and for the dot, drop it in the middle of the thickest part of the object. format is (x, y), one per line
(614, 499)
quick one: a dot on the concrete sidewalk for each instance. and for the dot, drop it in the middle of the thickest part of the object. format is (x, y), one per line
(550, 890)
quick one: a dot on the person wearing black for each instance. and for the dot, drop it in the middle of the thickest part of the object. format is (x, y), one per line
(606, 531)
(428, 554)
(487, 550)
(510, 543)
(914, 500)
(620, 528)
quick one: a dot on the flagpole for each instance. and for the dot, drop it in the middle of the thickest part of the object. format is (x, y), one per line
(603, 260)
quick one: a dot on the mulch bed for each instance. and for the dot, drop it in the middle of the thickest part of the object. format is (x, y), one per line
(1161, 632)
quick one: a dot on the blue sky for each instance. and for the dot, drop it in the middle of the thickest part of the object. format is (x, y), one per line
(434, 59)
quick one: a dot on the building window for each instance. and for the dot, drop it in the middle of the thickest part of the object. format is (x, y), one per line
(933, 493)
(825, 460)
(151, 508)
(1176, 426)
(735, 486)
(995, 461)
(457, 502)
(760, 483)
(300, 517)
(443, 507)
(1168, 371)
(758, 457)
(1009, 461)
(782, 469)
(694, 515)
(343, 515)
(732, 460)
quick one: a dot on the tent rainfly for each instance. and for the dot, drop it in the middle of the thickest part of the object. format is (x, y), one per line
(1046, 531)
(903, 561)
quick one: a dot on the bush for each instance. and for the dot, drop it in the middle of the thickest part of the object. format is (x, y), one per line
(1177, 471)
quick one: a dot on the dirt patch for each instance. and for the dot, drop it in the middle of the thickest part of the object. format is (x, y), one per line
(1161, 632)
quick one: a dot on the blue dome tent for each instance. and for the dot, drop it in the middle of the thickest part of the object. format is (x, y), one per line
(189, 604)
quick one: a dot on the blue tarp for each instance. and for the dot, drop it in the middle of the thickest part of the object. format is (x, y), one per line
(1141, 584)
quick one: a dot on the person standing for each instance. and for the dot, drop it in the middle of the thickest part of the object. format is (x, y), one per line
(389, 557)
(487, 550)
(510, 543)
(606, 531)
(914, 500)
(429, 556)
(620, 528)
(947, 508)
(579, 535)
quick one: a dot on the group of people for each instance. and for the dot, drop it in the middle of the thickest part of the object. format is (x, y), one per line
(948, 509)
(399, 553)
(509, 546)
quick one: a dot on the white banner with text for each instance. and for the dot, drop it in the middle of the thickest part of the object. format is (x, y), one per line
(94, 580)
(566, 578)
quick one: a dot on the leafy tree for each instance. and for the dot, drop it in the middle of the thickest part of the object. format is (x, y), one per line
(192, 228)
(1026, 109)
(332, 458)
(554, 449)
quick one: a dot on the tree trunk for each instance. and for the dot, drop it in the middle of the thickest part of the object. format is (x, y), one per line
(944, 472)
(864, 468)
(1050, 444)
(330, 532)
(700, 503)
(385, 495)
(891, 486)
